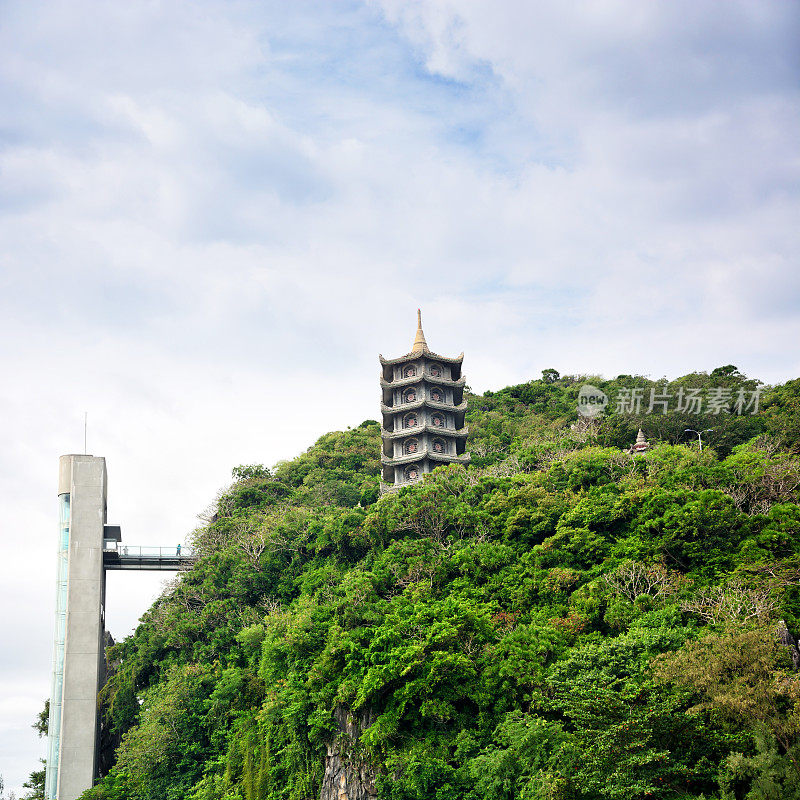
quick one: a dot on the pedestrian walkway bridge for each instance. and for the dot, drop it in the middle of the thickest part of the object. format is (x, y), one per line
(122, 556)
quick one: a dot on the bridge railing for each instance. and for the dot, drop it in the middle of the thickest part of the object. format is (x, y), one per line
(136, 551)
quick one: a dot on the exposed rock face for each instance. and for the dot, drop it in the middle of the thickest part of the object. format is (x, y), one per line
(347, 775)
(790, 642)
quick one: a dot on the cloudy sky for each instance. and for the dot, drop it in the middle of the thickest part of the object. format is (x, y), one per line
(214, 214)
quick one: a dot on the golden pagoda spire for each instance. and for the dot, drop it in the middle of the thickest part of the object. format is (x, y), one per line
(420, 345)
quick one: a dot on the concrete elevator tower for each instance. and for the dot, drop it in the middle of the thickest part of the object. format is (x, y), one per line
(87, 549)
(78, 658)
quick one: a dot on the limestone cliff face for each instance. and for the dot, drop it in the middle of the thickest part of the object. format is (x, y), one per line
(347, 775)
(790, 643)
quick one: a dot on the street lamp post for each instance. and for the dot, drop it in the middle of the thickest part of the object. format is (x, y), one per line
(699, 435)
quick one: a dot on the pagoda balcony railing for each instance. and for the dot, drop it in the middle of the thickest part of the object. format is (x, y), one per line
(410, 458)
(459, 433)
(410, 381)
(423, 402)
(447, 458)
(414, 404)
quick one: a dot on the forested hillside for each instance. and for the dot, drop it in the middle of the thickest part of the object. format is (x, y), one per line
(560, 620)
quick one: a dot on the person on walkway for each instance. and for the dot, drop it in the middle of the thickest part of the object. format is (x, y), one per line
(178, 549)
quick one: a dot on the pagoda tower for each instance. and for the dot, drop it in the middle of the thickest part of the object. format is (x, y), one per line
(423, 411)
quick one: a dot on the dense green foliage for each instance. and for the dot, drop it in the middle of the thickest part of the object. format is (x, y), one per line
(560, 620)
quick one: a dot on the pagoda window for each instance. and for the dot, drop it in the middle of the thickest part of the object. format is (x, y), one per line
(410, 446)
(437, 394)
(435, 371)
(439, 446)
(412, 472)
(437, 420)
(410, 421)
(410, 371)
(410, 395)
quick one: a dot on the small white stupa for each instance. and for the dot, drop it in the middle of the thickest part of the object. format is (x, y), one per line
(641, 444)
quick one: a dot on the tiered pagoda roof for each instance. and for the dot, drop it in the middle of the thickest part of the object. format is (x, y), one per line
(433, 356)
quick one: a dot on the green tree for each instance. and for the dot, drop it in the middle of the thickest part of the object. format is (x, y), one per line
(35, 783)
(550, 375)
(489, 632)
(746, 676)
